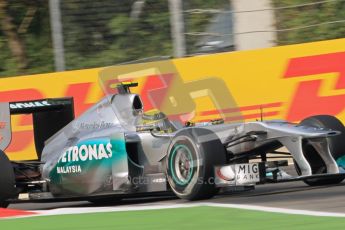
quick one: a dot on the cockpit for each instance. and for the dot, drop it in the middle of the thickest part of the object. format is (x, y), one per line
(130, 111)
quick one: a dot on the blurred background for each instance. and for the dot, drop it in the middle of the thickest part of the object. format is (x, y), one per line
(39, 36)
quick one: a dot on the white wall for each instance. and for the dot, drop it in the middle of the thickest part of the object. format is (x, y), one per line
(253, 21)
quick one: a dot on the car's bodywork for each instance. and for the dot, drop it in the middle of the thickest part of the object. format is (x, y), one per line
(109, 150)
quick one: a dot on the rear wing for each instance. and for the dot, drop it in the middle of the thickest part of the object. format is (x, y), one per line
(48, 116)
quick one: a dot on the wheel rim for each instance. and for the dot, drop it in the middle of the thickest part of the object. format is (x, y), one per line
(341, 162)
(181, 165)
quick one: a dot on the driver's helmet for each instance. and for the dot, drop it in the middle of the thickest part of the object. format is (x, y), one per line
(158, 119)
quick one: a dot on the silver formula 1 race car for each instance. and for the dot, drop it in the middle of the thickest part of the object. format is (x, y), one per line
(115, 150)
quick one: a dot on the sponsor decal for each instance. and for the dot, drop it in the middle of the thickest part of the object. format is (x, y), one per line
(159, 180)
(91, 164)
(225, 173)
(247, 173)
(72, 160)
(308, 98)
(238, 174)
(95, 125)
(34, 104)
(69, 169)
(87, 152)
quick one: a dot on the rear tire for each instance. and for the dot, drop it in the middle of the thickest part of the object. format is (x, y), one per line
(191, 158)
(7, 180)
(336, 145)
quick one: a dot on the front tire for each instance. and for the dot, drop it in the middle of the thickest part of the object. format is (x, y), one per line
(191, 158)
(336, 145)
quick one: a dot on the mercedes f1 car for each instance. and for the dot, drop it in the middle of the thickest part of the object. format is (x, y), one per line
(116, 150)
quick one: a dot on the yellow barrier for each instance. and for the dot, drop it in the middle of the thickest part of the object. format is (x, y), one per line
(289, 82)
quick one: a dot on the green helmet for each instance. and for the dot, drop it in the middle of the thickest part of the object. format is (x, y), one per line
(158, 119)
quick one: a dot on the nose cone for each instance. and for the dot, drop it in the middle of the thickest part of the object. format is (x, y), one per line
(308, 131)
(290, 129)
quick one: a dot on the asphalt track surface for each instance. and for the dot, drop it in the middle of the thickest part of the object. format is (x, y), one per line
(291, 195)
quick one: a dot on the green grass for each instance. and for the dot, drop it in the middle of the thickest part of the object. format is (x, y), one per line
(179, 218)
